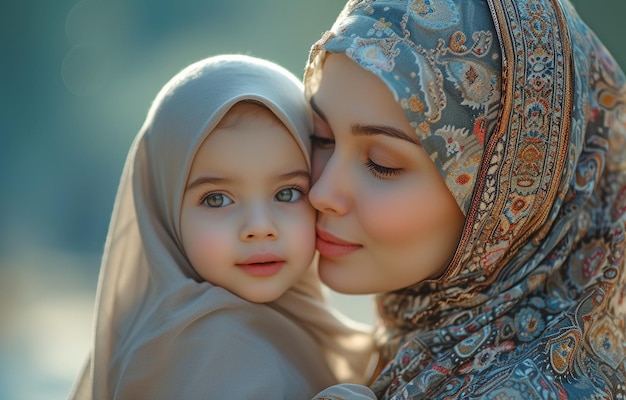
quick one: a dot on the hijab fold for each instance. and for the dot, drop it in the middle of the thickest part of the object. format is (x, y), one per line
(521, 100)
(160, 330)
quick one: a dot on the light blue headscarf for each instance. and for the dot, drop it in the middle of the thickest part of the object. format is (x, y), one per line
(444, 71)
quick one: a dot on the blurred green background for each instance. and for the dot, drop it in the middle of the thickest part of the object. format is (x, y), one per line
(78, 78)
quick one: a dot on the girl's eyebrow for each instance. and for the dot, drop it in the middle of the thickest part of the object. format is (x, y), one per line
(203, 180)
(300, 173)
(209, 180)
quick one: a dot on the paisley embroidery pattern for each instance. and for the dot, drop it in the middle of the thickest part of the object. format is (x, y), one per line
(434, 14)
(561, 351)
(532, 143)
(607, 341)
(455, 72)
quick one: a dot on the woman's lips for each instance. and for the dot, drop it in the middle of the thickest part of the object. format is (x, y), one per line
(331, 246)
(262, 265)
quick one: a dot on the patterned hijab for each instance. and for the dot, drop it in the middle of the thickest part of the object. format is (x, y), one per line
(519, 100)
(163, 332)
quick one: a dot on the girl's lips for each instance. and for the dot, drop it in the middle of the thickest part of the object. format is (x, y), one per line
(331, 246)
(261, 258)
(262, 265)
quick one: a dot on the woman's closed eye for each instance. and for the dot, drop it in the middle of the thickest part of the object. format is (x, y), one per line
(216, 200)
(381, 172)
(322, 142)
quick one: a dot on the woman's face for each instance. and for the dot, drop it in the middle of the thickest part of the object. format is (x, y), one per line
(386, 218)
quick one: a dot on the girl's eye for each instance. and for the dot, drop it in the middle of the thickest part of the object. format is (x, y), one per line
(216, 200)
(322, 142)
(381, 172)
(289, 195)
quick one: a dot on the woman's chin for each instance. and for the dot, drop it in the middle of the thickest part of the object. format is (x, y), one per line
(343, 279)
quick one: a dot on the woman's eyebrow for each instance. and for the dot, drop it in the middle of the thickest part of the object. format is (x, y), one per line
(368, 130)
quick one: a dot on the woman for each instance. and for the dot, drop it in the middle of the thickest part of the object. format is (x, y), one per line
(470, 168)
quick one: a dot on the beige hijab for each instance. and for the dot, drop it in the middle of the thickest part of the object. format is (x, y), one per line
(162, 332)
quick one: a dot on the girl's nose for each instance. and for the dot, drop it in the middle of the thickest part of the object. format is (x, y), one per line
(258, 224)
(329, 193)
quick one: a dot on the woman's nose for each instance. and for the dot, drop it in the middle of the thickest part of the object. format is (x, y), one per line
(329, 193)
(258, 224)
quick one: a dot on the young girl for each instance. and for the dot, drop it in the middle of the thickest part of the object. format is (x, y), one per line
(205, 288)
(484, 143)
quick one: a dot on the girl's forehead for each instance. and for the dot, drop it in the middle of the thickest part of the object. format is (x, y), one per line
(246, 112)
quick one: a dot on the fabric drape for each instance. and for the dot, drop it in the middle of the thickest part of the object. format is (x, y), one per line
(532, 303)
(163, 333)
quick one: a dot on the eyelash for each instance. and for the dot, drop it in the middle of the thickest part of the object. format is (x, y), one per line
(298, 188)
(381, 172)
(378, 171)
(322, 142)
(206, 196)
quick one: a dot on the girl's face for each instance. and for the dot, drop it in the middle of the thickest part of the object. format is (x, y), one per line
(246, 223)
(386, 218)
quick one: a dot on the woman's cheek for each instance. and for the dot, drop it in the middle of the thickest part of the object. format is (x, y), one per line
(319, 159)
(401, 214)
